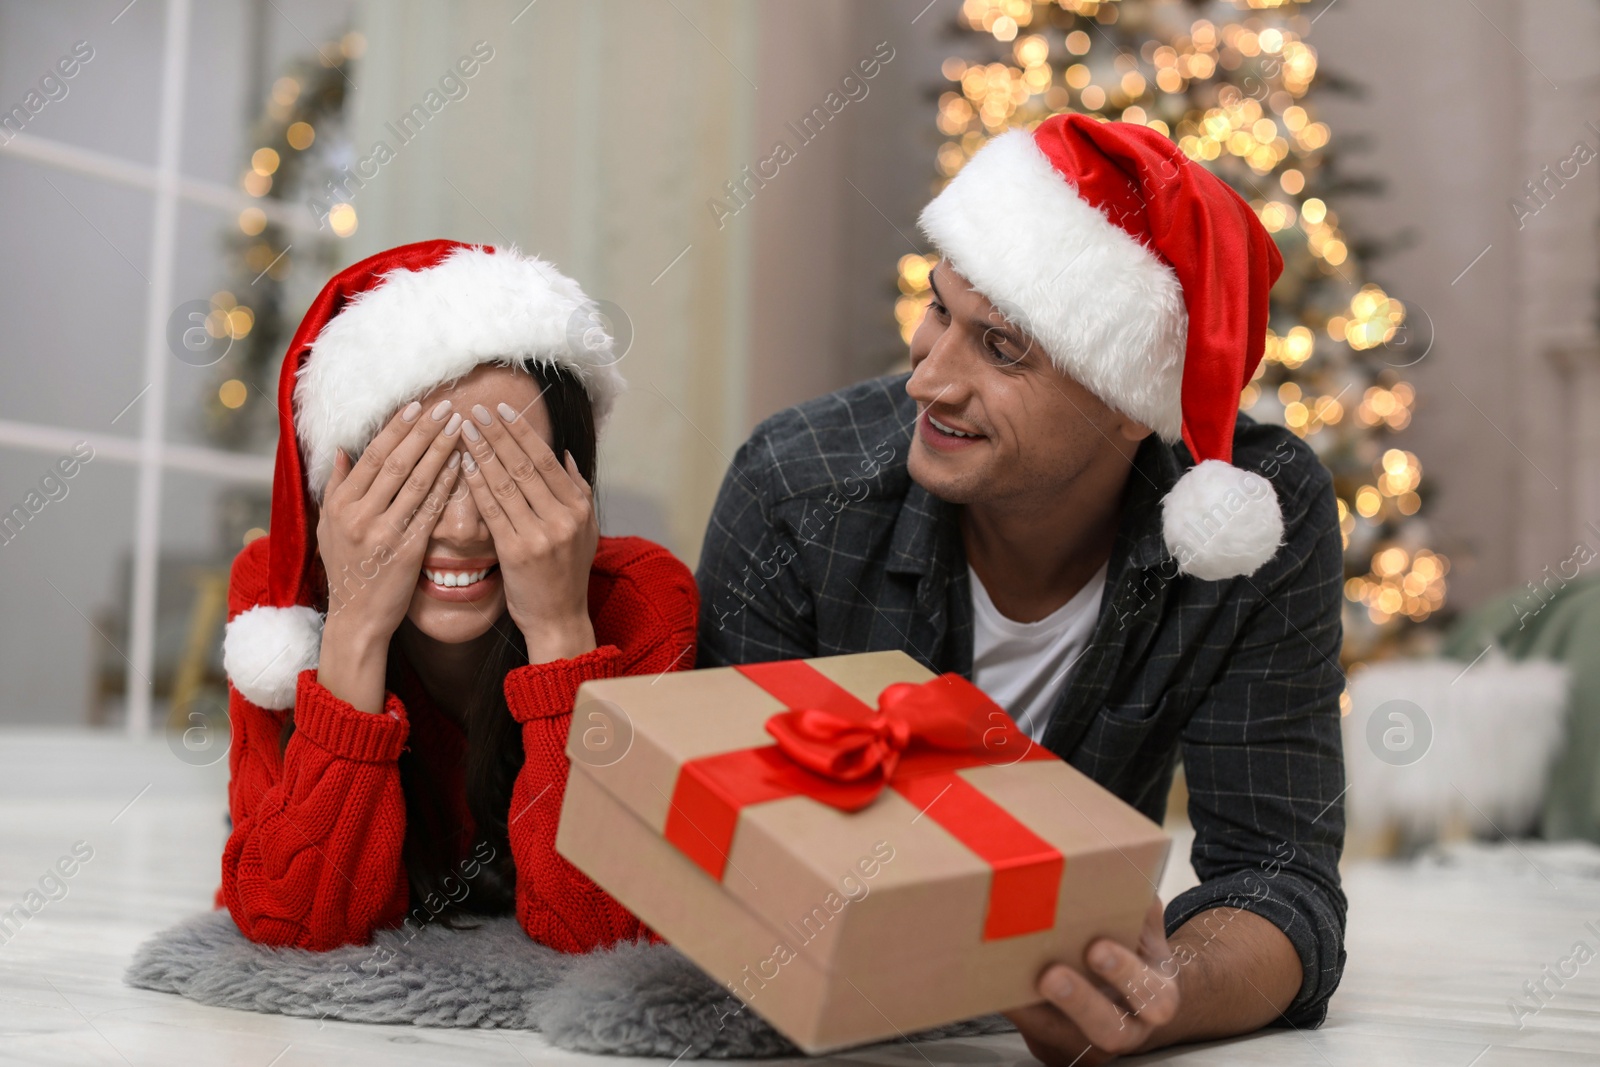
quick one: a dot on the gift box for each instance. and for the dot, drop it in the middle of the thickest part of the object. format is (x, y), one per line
(856, 848)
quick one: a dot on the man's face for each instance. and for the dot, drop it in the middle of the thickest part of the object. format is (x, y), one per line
(997, 422)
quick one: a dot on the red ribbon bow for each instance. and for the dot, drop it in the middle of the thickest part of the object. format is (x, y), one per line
(838, 750)
(945, 714)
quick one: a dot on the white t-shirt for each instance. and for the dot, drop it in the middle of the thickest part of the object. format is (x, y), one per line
(1023, 666)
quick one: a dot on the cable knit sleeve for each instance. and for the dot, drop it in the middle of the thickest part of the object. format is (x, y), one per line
(314, 859)
(644, 606)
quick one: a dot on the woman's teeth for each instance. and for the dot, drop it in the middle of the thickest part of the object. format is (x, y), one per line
(942, 428)
(455, 578)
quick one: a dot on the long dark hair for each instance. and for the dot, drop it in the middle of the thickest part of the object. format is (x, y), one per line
(442, 883)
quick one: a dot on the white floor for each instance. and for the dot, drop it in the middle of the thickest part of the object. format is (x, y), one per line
(1436, 954)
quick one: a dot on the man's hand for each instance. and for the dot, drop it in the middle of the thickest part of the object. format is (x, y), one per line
(1086, 1021)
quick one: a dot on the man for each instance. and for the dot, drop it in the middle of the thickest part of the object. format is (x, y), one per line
(1019, 510)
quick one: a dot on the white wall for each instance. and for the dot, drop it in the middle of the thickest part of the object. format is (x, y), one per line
(600, 135)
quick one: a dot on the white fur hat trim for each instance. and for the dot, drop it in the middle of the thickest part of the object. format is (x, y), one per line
(1108, 311)
(419, 329)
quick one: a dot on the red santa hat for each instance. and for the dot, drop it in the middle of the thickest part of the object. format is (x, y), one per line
(382, 333)
(1145, 278)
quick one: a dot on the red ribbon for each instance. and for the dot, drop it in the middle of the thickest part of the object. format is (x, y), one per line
(837, 750)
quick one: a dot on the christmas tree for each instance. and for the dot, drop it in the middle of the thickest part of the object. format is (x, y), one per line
(1233, 82)
(294, 151)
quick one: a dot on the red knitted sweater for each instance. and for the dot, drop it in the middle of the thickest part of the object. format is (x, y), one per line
(314, 859)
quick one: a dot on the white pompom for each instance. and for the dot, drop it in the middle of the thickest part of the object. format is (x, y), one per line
(265, 649)
(1220, 521)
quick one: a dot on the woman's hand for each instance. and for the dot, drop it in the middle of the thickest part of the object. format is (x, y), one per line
(540, 512)
(372, 533)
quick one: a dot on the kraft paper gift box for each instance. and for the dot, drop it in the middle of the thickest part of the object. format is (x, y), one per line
(842, 906)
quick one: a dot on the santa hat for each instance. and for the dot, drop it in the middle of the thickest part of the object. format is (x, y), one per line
(382, 333)
(1145, 278)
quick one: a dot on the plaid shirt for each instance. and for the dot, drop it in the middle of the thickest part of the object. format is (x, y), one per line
(821, 544)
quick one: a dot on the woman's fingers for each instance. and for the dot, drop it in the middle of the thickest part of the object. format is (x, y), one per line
(577, 477)
(424, 476)
(421, 521)
(389, 460)
(557, 479)
(497, 471)
(418, 526)
(341, 471)
(526, 468)
(366, 466)
(487, 502)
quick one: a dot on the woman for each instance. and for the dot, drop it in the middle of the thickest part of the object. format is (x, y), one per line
(406, 644)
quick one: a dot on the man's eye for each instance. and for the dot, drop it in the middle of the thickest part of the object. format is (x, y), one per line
(1000, 354)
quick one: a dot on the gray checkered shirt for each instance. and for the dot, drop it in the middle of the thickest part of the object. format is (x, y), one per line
(821, 544)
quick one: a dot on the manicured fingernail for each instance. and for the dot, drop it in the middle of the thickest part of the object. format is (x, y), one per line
(439, 409)
(1058, 984)
(450, 464)
(481, 413)
(412, 410)
(472, 432)
(508, 413)
(468, 462)
(1104, 960)
(453, 425)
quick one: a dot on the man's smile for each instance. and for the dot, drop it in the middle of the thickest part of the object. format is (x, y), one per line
(944, 435)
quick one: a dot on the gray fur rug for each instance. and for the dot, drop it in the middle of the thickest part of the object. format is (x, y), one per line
(635, 999)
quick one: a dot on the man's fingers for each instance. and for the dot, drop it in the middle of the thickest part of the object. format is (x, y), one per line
(1155, 924)
(1158, 958)
(1147, 993)
(1052, 1037)
(1107, 1025)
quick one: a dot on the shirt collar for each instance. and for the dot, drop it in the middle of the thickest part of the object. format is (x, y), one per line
(923, 533)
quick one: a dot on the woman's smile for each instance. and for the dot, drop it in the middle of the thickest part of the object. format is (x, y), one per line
(458, 579)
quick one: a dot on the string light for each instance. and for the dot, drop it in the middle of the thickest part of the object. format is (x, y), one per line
(1232, 94)
(1400, 583)
(264, 161)
(915, 290)
(342, 219)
